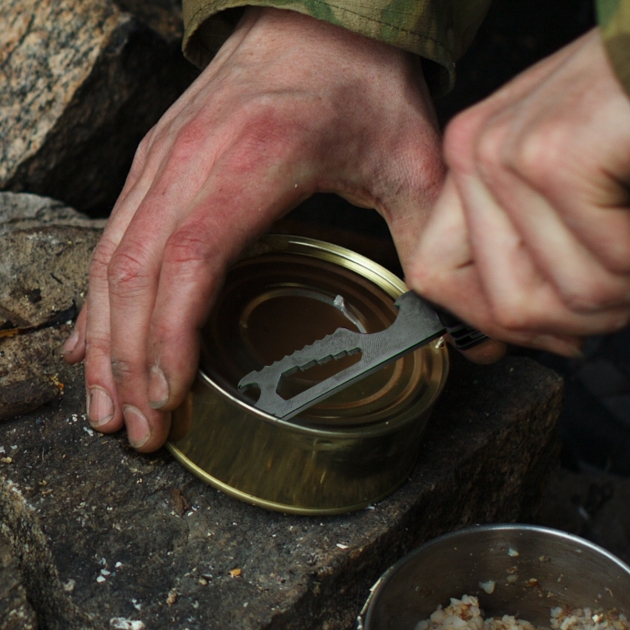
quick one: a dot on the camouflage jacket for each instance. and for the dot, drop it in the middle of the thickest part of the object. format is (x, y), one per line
(438, 30)
(614, 21)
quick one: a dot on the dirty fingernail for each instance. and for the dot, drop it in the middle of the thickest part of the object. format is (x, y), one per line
(158, 388)
(138, 431)
(100, 406)
(71, 342)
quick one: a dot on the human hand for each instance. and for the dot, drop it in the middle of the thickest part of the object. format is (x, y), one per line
(290, 106)
(530, 238)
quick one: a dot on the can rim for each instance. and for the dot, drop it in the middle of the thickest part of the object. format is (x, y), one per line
(314, 429)
(387, 281)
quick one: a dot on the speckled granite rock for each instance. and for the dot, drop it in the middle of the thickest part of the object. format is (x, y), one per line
(80, 84)
(20, 211)
(44, 249)
(107, 538)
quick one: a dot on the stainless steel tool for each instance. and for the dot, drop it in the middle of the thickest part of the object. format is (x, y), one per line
(416, 324)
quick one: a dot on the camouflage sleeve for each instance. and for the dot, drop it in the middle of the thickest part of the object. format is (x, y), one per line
(614, 22)
(438, 30)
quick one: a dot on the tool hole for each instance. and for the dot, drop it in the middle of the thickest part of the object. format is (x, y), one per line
(303, 378)
(251, 393)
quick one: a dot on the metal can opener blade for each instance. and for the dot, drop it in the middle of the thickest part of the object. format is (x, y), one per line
(417, 323)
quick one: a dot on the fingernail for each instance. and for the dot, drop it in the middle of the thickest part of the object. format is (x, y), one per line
(158, 388)
(138, 431)
(100, 406)
(71, 342)
(576, 353)
(570, 348)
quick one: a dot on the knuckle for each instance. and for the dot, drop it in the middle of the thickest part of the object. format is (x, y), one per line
(613, 249)
(163, 331)
(423, 279)
(186, 144)
(96, 348)
(140, 158)
(512, 315)
(128, 271)
(590, 295)
(537, 154)
(189, 245)
(122, 370)
(491, 149)
(101, 257)
(266, 135)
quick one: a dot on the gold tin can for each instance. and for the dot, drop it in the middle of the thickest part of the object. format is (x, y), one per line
(343, 454)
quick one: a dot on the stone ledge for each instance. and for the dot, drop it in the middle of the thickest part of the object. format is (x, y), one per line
(139, 538)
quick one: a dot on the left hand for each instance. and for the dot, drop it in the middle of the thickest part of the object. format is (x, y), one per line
(289, 106)
(530, 238)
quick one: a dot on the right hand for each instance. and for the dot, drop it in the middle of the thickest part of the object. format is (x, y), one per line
(530, 238)
(290, 106)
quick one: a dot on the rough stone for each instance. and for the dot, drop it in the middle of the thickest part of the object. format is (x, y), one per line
(20, 211)
(105, 537)
(43, 263)
(81, 82)
(15, 611)
(162, 16)
(141, 539)
(591, 505)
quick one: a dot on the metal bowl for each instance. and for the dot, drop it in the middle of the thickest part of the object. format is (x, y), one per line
(534, 569)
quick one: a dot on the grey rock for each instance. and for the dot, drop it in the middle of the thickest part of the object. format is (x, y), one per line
(44, 249)
(37, 575)
(162, 16)
(19, 211)
(26, 380)
(81, 83)
(15, 611)
(141, 539)
(591, 505)
(47, 272)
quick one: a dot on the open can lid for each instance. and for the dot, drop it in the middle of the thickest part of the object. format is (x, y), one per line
(288, 292)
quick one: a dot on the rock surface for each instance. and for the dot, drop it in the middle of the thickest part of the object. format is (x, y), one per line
(81, 82)
(107, 538)
(162, 16)
(15, 611)
(43, 264)
(592, 505)
(139, 538)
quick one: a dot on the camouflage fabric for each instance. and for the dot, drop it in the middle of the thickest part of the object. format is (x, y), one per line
(614, 21)
(438, 30)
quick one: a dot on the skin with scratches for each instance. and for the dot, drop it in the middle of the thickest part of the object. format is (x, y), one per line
(272, 120)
